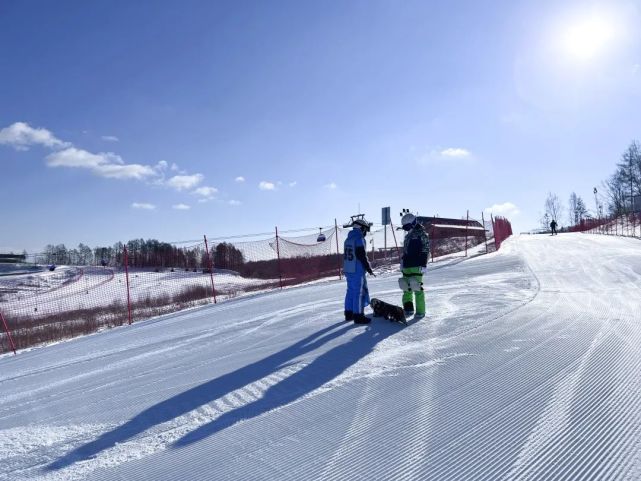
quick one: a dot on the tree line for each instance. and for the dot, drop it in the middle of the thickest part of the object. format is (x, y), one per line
(142, 253)
(156, 255)
(618, 195)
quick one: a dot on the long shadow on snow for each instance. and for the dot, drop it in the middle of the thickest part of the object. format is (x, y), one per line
(320, 371)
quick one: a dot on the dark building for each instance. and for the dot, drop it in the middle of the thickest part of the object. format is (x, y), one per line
(11, 258)
(442, 227)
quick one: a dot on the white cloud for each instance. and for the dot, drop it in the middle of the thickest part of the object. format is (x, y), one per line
(240, 178)
(507, 209)
(455, 152)
(235, 202)
(293, 184)
(181, 207)
(110, 138)
(73, 157)
(128, 171)
(448, 156)
(143, 206)
(21, 136)
(331, 186)
(206, 191)
(103, 164)
(184, 182)
(264, 185)
(162, 165)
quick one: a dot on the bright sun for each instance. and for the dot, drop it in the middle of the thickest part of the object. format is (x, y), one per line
(587, 37)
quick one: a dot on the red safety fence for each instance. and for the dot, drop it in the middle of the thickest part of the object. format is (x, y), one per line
(52, 299)
(502, 229)
(627, 225)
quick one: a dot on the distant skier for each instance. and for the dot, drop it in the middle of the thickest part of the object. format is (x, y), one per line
(553, 227)
(416, 249)
(355, 265)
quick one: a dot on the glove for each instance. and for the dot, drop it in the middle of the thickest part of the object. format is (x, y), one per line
(423, 270)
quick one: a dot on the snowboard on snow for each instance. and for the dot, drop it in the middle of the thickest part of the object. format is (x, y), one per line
(388, 311)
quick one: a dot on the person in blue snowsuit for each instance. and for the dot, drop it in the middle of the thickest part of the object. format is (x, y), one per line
(355, 265)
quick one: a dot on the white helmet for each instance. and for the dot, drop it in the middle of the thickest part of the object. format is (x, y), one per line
(408, 220)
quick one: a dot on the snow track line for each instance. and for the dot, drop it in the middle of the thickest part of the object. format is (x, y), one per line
(512, 408)
(61, 286)
(601, 427)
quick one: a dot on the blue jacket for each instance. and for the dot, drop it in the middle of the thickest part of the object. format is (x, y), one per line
(354, 256)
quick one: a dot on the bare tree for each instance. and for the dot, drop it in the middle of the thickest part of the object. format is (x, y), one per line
(577, 209)
(572, 204)
(615, 190)
(553, 207)
(581, 209)
(544, 221)
(629, 172)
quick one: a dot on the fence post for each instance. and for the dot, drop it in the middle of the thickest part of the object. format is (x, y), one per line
(398, 251)
(373, 251)
(127, 277)
(280, 272)
(6, 328)
(484, 234)
(433, 242)
(211, 268)
(338, 252)
(385, 240)
(466, 225)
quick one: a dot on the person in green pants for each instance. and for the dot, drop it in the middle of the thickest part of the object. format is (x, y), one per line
(416, 247)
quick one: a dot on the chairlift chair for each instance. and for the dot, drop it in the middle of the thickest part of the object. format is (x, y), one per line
(321, 237)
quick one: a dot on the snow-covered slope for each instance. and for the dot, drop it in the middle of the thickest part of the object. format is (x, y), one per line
(527, 367)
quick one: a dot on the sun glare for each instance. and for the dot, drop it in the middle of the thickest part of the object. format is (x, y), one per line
(588, 37)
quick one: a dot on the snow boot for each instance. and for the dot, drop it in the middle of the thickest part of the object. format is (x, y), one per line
(361, 319)
(408, 307)
(349, 316)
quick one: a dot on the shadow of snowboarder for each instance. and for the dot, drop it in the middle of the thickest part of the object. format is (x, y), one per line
(321, 370)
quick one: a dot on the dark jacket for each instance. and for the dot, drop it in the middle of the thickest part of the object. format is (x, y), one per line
(416, 248)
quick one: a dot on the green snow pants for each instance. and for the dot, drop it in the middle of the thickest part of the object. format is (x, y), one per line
(408, 296)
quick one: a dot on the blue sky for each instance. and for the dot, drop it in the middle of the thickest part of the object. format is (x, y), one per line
(170, 120)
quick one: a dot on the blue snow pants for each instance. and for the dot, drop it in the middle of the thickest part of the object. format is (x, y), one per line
(357, 296)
